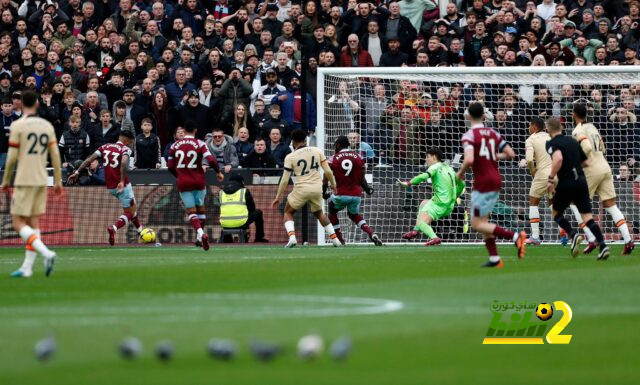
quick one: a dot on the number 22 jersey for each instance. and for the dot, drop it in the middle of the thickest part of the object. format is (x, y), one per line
(487, 144)
(111, 155)
(185, 162)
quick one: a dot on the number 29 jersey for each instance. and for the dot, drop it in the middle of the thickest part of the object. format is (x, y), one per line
(487, 144)
(111, 155)
(304, 163)
(347, 169)
(185, 161)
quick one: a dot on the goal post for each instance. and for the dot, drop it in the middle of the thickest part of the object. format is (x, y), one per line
(401, 112)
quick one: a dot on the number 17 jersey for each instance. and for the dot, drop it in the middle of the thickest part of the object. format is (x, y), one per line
(111, 155)
(185, 161)
(487, 144)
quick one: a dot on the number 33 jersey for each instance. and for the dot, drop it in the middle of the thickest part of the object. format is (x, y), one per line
(185, 161)
(347, 169)
(304, 163)
(111, 155)
(487, 144)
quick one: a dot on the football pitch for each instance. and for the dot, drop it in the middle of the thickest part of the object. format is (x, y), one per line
(415, 315)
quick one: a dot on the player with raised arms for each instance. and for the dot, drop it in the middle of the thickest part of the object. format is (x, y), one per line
(567, 158)
(483, 148)
(185, 162)
(598, 174)
(31, 141)
(349, 169)
(446, 189)
(304, 163)
(115, 159)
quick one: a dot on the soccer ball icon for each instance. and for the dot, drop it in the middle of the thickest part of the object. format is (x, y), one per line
(147, 235)
(544, 311)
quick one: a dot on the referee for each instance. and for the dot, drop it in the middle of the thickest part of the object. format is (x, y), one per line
(566, 162)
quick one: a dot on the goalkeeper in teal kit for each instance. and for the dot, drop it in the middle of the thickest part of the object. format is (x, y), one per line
(446, 189)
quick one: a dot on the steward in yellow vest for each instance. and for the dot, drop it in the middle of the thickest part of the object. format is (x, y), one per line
(238, 209)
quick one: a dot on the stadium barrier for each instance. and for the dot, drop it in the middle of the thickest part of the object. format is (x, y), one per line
(81, 214)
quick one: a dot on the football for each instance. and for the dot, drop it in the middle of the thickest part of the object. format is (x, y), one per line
(310, 346)
(544, 311)
(147, 235)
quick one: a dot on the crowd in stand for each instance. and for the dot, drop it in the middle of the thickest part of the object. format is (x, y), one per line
(235, 68)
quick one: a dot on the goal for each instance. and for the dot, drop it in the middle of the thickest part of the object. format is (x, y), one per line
(398, 113)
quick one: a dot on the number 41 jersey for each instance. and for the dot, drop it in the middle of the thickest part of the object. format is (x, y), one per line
(347, 169)
(111, 155)
(487, 144)
(185, 161)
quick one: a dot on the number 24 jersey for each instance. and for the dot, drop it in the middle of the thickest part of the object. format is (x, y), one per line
(305, 163)
(487, 144)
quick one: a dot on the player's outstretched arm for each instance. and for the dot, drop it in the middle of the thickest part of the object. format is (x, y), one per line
(364, 184)
(74, 176)
(284, 181)
(467, 162)
(54, 154)
(507, 153)
(10, 165)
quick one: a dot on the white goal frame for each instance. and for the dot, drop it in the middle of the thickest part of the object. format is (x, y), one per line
(529, 72)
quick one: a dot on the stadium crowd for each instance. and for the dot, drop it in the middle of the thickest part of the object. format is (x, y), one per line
(235, 68)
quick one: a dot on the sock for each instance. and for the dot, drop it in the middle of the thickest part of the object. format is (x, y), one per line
(136, 222)
(564, 224)
(361, 223)
(330, 231)
(427, 230)
(195, 222)
(593, 226)
(621, 223)
(30, 255)
(32, 239)
(534, 219)
(576, 213)
(490, 244)
(203, 219)
(499, 232)
(339, 233)
(291, 230)
(122, 221)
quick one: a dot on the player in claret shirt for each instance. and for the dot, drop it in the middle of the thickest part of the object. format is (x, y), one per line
(185, 162)
(483, 148)
(115, 158)
(348, 168)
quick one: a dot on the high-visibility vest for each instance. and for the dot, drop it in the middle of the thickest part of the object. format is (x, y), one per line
(233, 209)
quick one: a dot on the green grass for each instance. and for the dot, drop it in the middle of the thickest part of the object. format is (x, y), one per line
(98, 296)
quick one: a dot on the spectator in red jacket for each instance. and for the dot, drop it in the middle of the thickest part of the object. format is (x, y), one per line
(353, 55)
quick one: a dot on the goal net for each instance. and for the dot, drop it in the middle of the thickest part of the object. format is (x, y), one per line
(393, 115)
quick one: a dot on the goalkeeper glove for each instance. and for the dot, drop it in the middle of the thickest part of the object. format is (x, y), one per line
(326, 192)
(406, 185)
(369, 190)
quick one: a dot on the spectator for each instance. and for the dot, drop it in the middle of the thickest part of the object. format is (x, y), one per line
(394, 57)
(353, 55)
(74, 143)
(147, 147)
(242, 143)
(198, 113)
(222, 148)
(364, 149)
(279, 150)
(108, 131)
(259, 159)
(399, 25)
(413, 9)
(160, 115)
(178, 89)
(271, 88)
(240, 119)
(235, 90)
(8, 117)
(177, 135)
(275, 121)
(133, 112)
(290, 102)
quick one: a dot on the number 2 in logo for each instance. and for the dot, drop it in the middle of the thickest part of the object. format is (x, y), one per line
(554, 336)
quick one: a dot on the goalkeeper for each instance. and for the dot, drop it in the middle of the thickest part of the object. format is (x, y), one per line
(446, 189)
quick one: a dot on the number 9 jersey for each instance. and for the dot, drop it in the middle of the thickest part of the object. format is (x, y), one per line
(487, 144)
(347, 167)
(111, 155)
